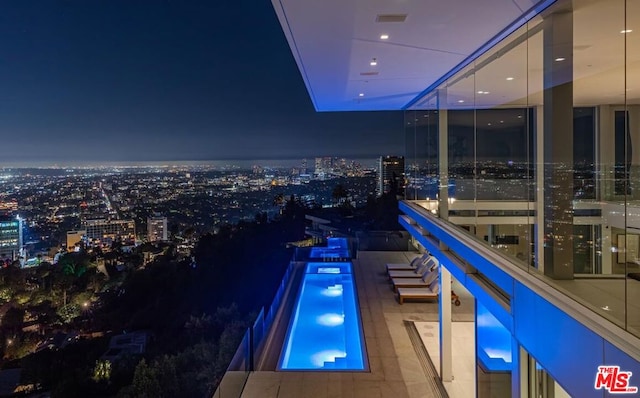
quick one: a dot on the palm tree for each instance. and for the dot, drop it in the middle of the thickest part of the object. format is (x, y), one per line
(73, 267)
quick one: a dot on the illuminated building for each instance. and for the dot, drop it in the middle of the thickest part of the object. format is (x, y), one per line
(10, 238)
(390, 172)
(8, 206)
(74, 238)
(104, 231)
(157, 228)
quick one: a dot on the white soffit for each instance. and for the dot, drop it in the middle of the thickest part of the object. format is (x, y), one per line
(334, 42)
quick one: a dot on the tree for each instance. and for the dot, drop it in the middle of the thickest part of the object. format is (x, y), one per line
(72, 267)
(145, 381)
(197, 325)
(102, 371)
(339, 193)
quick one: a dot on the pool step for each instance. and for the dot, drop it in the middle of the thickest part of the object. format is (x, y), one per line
(338, 363)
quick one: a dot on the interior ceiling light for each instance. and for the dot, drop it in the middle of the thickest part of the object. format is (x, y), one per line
(626, 31)
(361, 95)
(483, 92)
(560, 59)
(384, 37)
(460, 101)
(510, 78)
(373, 62)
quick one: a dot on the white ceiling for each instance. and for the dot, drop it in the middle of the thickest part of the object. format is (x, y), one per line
(603, 72)
(334, 41)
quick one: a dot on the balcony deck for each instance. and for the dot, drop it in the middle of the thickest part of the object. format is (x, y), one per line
(396, 369)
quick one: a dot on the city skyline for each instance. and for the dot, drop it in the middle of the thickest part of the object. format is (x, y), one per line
(122, 82)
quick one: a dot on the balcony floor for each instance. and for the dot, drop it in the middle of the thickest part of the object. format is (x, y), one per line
(395, 368)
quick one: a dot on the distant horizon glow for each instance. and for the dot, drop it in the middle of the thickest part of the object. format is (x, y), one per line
(285, 162)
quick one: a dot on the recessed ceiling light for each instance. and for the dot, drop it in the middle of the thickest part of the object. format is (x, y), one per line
(501, 121)
(373, 62)
(483, 92)
(384, 37)
(461, 101)
(510, 78)
(519, 116)
(560, 59)
(488, 124)
(626, 31)
(361, 95)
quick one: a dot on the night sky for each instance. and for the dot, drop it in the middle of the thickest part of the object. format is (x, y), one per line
(127, 80)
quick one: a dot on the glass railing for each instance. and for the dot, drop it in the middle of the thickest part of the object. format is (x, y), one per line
(237, 374)
(606, 287)
(252, 344)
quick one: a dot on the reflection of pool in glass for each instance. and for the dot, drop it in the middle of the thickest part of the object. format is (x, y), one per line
(493, 341)
(325, 252)
(324, 332)
(334, 243)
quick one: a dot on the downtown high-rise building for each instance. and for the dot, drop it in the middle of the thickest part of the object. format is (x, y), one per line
(157, 228)
(391, 175)
(10, 238)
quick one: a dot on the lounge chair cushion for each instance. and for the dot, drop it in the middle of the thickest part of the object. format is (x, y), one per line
(430, 276)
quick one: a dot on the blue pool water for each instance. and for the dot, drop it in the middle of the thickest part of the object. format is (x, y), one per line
(324, 332)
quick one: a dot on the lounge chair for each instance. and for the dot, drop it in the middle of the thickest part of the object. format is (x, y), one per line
(420, 293)
(427, 278)
(424, 294)
(408, 267)
(429, 265)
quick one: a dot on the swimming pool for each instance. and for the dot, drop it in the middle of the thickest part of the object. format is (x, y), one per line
(324, 333)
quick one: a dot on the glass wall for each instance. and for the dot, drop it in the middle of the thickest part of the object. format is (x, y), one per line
(538, 144)
(421, 128)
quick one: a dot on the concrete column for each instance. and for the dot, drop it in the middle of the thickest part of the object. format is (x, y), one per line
(491, 234)
(518, 383)
(443, 155)
(523, 374)
(558, 145)
(539, 162)
(446, 356)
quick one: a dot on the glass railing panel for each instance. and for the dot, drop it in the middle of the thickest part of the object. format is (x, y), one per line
(237, 374)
